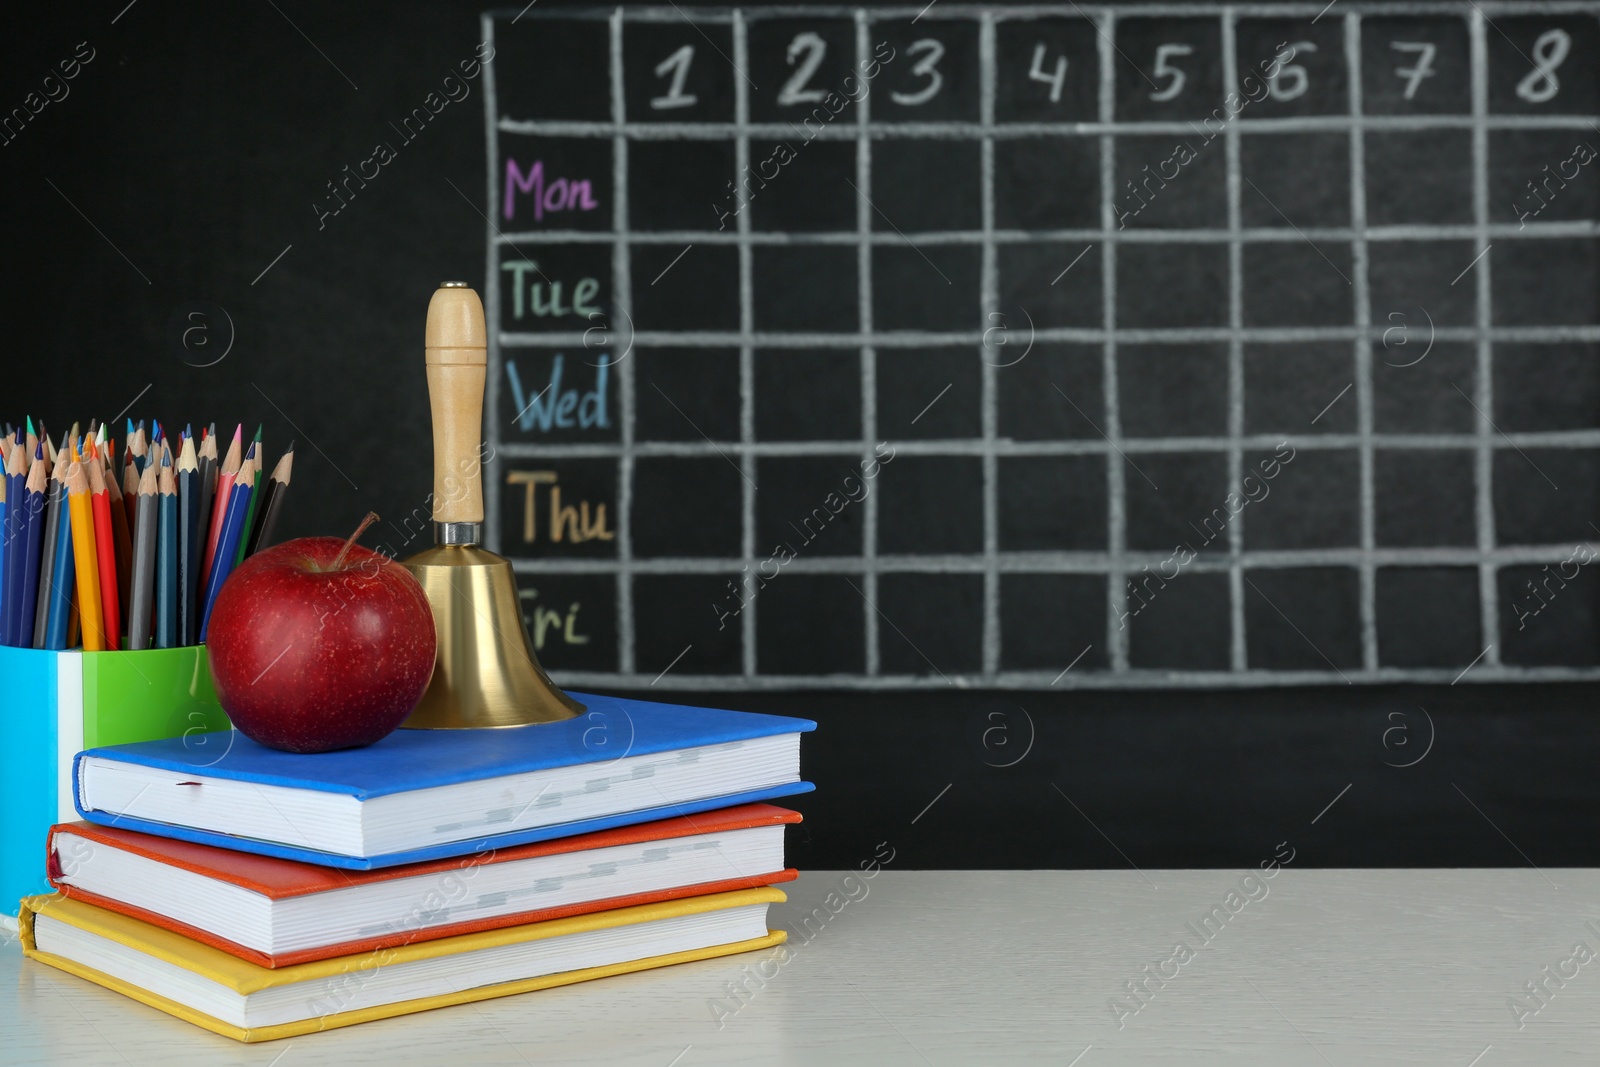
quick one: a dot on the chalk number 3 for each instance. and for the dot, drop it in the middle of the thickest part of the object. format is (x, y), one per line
(927, 67)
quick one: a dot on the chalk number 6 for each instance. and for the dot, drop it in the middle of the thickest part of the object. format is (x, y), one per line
(1164, 69)
(926, 67)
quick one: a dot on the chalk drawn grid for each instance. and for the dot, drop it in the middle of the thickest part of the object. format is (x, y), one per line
(1118, 563)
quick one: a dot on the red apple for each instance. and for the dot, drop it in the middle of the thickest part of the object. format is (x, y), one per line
(319, 644)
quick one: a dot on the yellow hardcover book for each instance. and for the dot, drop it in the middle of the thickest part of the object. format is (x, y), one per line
(238, 999)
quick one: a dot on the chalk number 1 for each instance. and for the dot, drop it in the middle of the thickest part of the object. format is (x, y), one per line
(677, 65)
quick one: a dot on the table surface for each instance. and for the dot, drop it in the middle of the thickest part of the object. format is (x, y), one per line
(991, 967)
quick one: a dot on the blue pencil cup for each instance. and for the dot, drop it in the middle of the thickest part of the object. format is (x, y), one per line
(56, 704)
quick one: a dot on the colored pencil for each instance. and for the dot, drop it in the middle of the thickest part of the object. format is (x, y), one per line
(167, 561)
(267, 514)
(144, 561)
(16, 536)
(189, 527)
(259, 451)
(7, 517)
(139, 448)
(59, 615)
(105, 553)
(231, 528)
(47, 558)
(85, 557)
(225, 476)
(121, 536)
(33, 523)
(5, 529)
(130, 486)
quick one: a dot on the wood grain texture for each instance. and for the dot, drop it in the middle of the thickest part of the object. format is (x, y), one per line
(455, 340)
(978, 967)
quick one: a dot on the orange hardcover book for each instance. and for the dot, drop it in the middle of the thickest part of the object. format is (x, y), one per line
(277, 913)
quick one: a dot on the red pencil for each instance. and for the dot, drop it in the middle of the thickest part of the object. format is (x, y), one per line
(230, 471)
(105, 551)
(120, 539)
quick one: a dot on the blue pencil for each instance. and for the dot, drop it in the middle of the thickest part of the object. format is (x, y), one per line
(227, 546)
(16, 510)
(5, 545)
(32, 538)
(58, 617)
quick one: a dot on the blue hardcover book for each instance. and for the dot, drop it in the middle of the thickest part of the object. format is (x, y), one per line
(432, 794)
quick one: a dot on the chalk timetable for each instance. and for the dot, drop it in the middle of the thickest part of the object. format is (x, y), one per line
(1397, 544)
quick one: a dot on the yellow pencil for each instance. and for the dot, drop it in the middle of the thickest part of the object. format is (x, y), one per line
(84, 557)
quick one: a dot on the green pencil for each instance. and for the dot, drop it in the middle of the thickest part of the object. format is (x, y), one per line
(260, 453)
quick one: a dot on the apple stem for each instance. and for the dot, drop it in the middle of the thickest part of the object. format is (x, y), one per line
(338, 561)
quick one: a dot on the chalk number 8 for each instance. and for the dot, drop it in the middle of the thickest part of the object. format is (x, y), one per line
(1549, 51)
(927, 67)
(1164, 69)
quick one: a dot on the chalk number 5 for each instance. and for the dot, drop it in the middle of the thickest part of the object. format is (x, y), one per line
(926, 67)
(1165, 69)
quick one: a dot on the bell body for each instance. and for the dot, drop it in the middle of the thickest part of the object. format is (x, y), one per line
(485, 673)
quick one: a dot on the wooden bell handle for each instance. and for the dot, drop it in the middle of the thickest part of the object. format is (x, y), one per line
(457, 350)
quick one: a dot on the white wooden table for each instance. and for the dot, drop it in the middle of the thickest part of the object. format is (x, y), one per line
(991, 967)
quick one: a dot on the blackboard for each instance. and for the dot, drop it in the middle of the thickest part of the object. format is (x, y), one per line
(1048, 346)
(190, 166)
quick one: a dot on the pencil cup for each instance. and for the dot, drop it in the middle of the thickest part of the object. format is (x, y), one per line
(54, 705)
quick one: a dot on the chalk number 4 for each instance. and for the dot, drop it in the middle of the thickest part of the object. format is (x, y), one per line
(1055, 80)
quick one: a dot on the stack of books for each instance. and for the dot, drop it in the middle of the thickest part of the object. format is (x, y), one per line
(265, 894)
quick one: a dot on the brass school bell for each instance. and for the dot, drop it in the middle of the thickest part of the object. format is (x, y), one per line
(486, 672)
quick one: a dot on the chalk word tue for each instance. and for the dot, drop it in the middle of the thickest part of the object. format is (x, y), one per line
(545, 303)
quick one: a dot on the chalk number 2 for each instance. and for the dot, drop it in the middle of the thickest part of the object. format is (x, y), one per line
(812, 48)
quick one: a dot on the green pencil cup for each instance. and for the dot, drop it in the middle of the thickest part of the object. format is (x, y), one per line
(55, 705)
